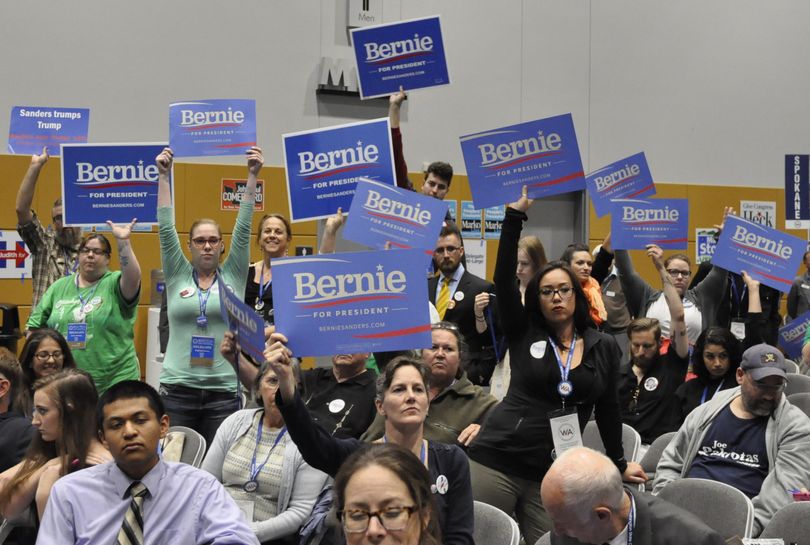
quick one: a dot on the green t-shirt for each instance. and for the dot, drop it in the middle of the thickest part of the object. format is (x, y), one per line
(109, 353)
(183, 305)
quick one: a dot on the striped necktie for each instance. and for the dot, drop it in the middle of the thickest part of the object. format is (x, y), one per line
(131, 532)
(444, 297)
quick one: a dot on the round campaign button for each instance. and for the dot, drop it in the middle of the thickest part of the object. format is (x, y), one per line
(202, 321)
(96, 300)
(250, 486)
(538, 349)
(651, 384)
(564, 388)
(187, 292)
(442, 486)
(259, 304)
(88, 308)
(336, 405)
(458, 296)
(451, 305)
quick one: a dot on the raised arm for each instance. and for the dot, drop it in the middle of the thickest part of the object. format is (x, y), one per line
(130, 283)
(25, 195)
(753, 328)
(330, 230)
(164, 163)
(400, 166)
(512, 313)
(636, 290)
(677, 314)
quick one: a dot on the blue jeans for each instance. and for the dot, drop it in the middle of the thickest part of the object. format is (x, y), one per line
(200, 410)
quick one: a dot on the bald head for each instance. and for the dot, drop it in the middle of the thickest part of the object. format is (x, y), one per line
(583, 494)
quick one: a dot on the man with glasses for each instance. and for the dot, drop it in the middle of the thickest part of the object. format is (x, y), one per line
(54, 250)
(749, 437)
(465, 300)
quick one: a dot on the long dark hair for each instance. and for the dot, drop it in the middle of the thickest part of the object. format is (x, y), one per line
(27, 356)
(408, 469)
(722, 337)
(75, 396)
(582, 318)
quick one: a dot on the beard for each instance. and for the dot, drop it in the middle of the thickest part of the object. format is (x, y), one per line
(68, 237)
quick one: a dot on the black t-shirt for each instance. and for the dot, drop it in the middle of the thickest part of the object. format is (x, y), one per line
(693, 393)
(15, 435)
(650, 406)
(252, 296)
(733, 451)
(344, 409)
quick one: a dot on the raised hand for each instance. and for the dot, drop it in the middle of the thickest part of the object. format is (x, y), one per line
(122, 232)
(524, 202)
(164, 161)
(41, 159)
(255, 160)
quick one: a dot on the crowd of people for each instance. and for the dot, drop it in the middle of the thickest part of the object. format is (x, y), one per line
(389, 447)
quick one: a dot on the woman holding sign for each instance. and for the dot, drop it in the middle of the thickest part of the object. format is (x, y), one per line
(197, 384)
(95, 309)
(562, 368)
(402, 399)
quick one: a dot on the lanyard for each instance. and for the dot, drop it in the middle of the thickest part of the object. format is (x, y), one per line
(491, 326)
(422, 453)
(737, 297)
(202, 320)
(565, 388)
(706, 390)
(262, 286)
(89, 297)
(631, 521)
(254, 471)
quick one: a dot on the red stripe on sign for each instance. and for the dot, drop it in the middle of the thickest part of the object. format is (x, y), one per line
(237, 145)
(397, 333)
(351, 300)
(559, 180)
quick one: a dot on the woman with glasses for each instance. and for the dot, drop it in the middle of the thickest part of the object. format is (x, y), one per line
(402, 399)
(198, 385)
(717, 355)
(64, 415)
(562, 369)
(383, 495)
(45, 352)
(254, 458)
(95, 309)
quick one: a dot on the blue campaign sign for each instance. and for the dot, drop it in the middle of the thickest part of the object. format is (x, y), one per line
(212, 127)
(629, 178)
(797, 191)
(32, 128)
(352, 302)
(768, 255)
(323, 166)
(493, 221)
(382, 213)
(791, 336)
(114, 182)
(407, 53)
(243, 321)
(542, 154)
(635, 223)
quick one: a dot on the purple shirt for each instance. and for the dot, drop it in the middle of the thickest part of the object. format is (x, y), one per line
(184, 505)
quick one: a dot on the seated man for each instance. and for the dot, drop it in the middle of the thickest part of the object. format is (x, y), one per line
(16, 431)
(139, 498)
(749, 437)
(583, 494)
(341, 398)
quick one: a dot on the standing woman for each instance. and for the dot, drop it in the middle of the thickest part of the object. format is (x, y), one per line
(578, 256)
(197, 384)
(559, 361)
(95, 309)
(273, 238)
(530, 257)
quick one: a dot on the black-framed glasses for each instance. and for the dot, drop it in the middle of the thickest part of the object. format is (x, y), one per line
(94, 251)
(564, 292)
(201, 242)
(392, 518)
(674, 273)
(447, 250)
(45, 356)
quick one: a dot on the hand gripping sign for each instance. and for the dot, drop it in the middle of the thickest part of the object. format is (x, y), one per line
(406, 53)
(768, 255)
(542, 154)
(635, 223)
(242, 320)
(352, 302)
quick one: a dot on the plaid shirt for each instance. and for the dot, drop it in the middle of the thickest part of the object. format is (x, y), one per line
(50, 260)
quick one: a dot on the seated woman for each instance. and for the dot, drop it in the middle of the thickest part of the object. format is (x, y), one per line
(382, 491)
(261, 468)
(45, 352)
(64, 415)
(717, 355)
(457, 406)
(402, 398)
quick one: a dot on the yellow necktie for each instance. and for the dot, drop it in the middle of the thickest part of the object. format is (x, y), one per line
(444, 297)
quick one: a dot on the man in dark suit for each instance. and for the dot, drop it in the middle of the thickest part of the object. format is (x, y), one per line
(583, 494)
(462, 299)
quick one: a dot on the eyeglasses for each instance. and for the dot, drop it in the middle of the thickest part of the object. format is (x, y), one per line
(447, 250)
(564, 292)
(201, 242)
(674, 273)
(45, 356)
(392, 518)
(58, 218)
(94, 251)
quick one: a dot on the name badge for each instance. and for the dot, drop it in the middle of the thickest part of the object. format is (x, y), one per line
(76, 336)
(202, 351)
(565, 429)
(738, 330)
(610, 293)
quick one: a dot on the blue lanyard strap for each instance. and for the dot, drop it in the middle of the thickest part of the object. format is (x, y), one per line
(566, 369)
(422, 451)
(491, 325)
(631, 521)
(737, 297)
(254, 471)
(203, 300)
(262, 286)
(82, 301)
(706, 391)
